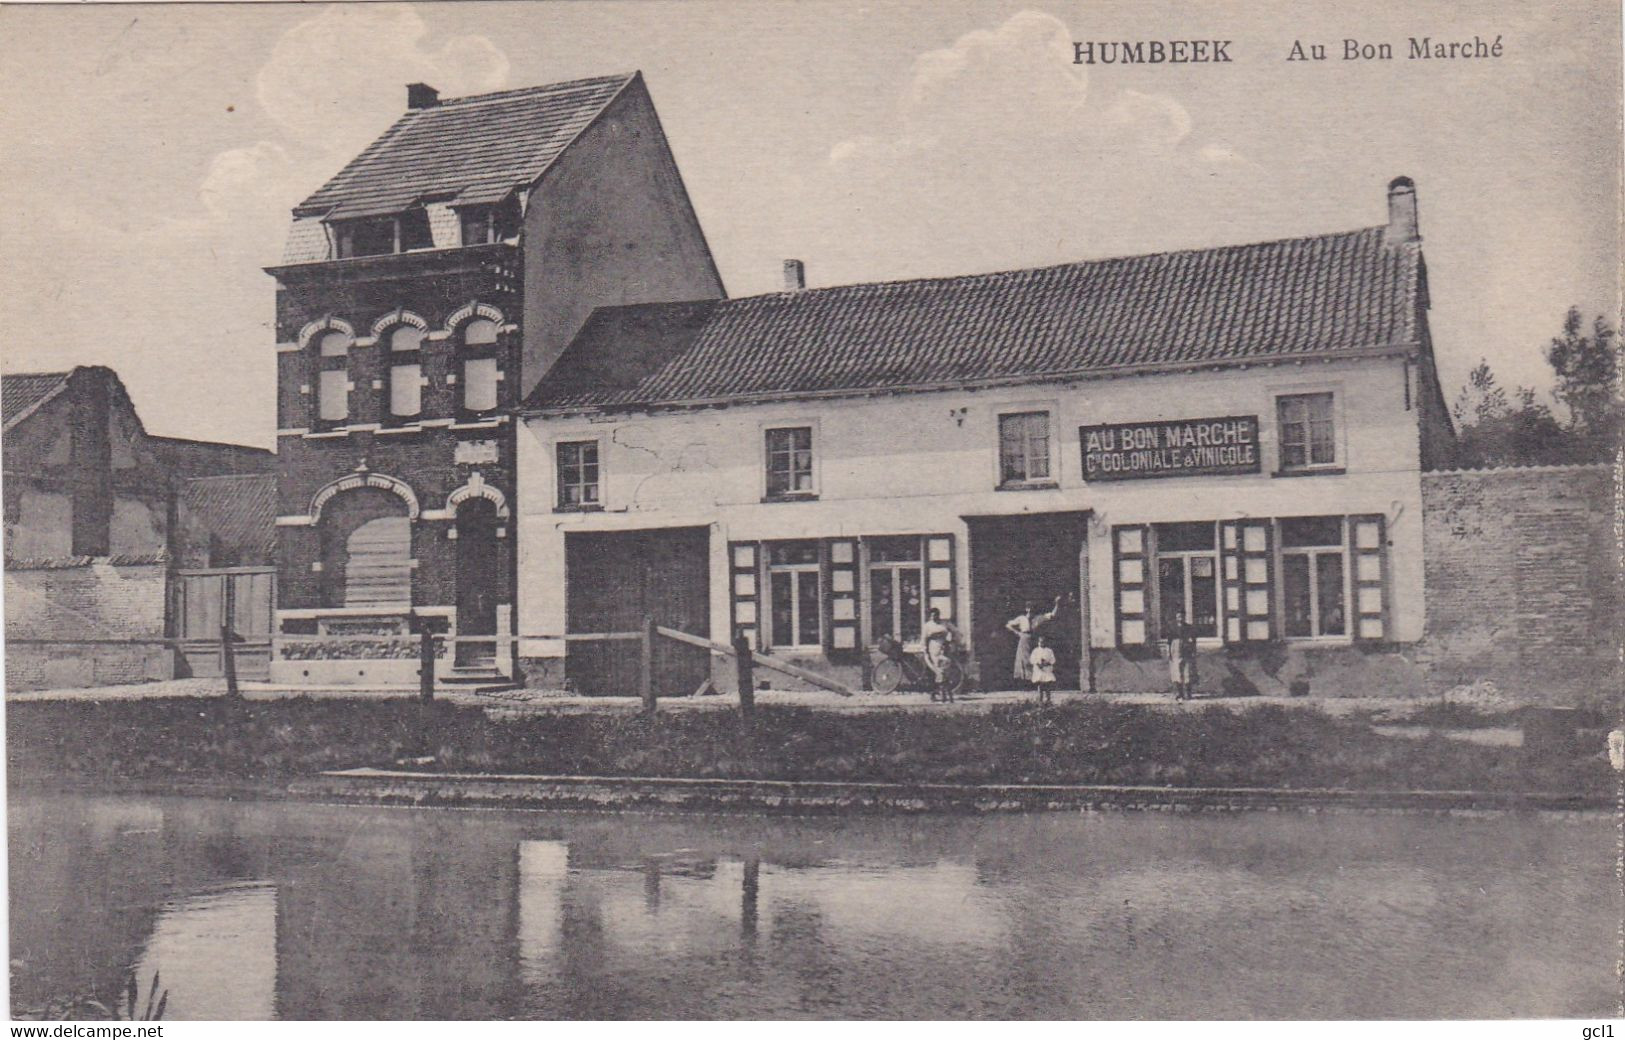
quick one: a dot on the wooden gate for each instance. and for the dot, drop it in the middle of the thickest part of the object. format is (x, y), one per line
(202, 600)
(1015, 560)
(612, 581)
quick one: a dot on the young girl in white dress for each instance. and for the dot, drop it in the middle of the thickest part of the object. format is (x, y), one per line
(1043, 668)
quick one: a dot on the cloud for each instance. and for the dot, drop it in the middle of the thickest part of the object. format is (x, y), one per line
(322, 82)
(1002, 152)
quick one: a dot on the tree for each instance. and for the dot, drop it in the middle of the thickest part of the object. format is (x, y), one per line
(1482, 399)
(1495, 431)
(1587, 370)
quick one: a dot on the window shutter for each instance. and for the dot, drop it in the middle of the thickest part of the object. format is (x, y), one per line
(1368, 558)
(941, 576)
(1248, 552)
(743, 583)
(841, 597)
(1131, 567)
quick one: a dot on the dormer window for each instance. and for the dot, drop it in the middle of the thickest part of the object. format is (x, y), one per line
(483, 224)
(373, 237)
(478, 225)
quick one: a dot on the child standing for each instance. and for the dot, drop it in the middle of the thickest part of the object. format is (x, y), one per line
(1042, 663)
(1182, 659)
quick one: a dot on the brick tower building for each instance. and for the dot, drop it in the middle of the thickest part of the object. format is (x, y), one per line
(424, 291)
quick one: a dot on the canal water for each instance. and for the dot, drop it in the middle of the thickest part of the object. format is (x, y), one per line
(286, 910)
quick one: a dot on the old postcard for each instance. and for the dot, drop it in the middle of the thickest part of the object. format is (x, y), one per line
(939, 511)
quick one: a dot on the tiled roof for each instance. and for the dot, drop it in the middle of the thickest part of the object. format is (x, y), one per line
(1298, 297)
(20, 394)
(234, 512)
(477, 148)
(189, 458)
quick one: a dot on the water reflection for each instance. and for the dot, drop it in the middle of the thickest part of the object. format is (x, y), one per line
(314, 912)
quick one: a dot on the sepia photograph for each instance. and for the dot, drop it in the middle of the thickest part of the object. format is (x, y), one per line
(708, 510)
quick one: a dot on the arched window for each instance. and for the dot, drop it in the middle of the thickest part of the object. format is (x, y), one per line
(333, 376)
(405, 372)
(366, 550)
(480, 371)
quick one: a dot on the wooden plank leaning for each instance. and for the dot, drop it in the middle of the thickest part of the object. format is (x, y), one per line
(761, 660)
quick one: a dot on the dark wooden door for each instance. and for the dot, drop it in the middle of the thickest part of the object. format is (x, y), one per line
(612, 581)
(1019, 559)
(478, 580)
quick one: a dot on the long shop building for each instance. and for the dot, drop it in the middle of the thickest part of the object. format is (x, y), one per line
(1232, 436)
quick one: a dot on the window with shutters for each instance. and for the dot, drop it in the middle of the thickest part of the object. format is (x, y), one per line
(897, 601)
(1187, 578)
(1314, 577)
(1024, 449)
(1306, 428)
(795, 601)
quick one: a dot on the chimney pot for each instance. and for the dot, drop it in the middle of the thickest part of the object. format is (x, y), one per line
(1402, 224)
(795, 276)
(421, 95)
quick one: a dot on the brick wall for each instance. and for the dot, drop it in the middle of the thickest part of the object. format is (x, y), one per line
(93, 600)
(1523, 582)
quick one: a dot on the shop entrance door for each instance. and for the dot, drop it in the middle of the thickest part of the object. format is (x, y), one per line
(1033, 558)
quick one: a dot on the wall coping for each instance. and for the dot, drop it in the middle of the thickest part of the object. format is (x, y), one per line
(1564, 467)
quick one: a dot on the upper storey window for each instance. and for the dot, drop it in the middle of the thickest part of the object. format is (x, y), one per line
(373, 237)
(483, 224)
(1307, 429)
(480, 373)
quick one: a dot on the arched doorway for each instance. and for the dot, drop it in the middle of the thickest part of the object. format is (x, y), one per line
(479, 582)
(366, 550)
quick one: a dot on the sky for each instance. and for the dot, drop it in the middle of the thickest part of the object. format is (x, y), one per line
(150, 154)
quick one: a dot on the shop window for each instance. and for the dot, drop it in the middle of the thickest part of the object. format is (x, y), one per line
(1024, 448)
(1187, 578)
(790, 462)
(897, 600)
(1314, 589)
(794, 595)
(578, 475)
(1307, 431)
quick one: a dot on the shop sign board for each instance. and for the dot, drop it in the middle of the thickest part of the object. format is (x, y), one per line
(1171, 448)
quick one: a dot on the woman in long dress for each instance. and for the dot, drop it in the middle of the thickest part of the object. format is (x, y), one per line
(1024, 625)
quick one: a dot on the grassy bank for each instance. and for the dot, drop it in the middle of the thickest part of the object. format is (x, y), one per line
(189, 741)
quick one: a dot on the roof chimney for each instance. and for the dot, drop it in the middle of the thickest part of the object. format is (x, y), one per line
(1402, 225)
(795, 276)
(421, 95)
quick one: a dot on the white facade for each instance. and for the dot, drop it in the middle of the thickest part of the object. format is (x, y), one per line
(921, 463)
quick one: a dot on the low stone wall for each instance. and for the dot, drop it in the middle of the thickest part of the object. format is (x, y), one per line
(85, 599)
(1523, 583)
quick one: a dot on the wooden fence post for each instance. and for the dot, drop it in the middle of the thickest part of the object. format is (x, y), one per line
(228, 656)
(745, 668)
(646, 664)
(425, 663)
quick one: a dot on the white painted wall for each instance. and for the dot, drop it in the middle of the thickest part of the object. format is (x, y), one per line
(918, 463)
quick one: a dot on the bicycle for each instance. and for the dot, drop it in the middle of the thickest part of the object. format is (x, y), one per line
(900, 669)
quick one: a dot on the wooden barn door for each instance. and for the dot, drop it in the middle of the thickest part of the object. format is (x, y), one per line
(614, 579)
(1019, 559)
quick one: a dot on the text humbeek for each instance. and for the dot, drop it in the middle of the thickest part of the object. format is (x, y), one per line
(1149, 52)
